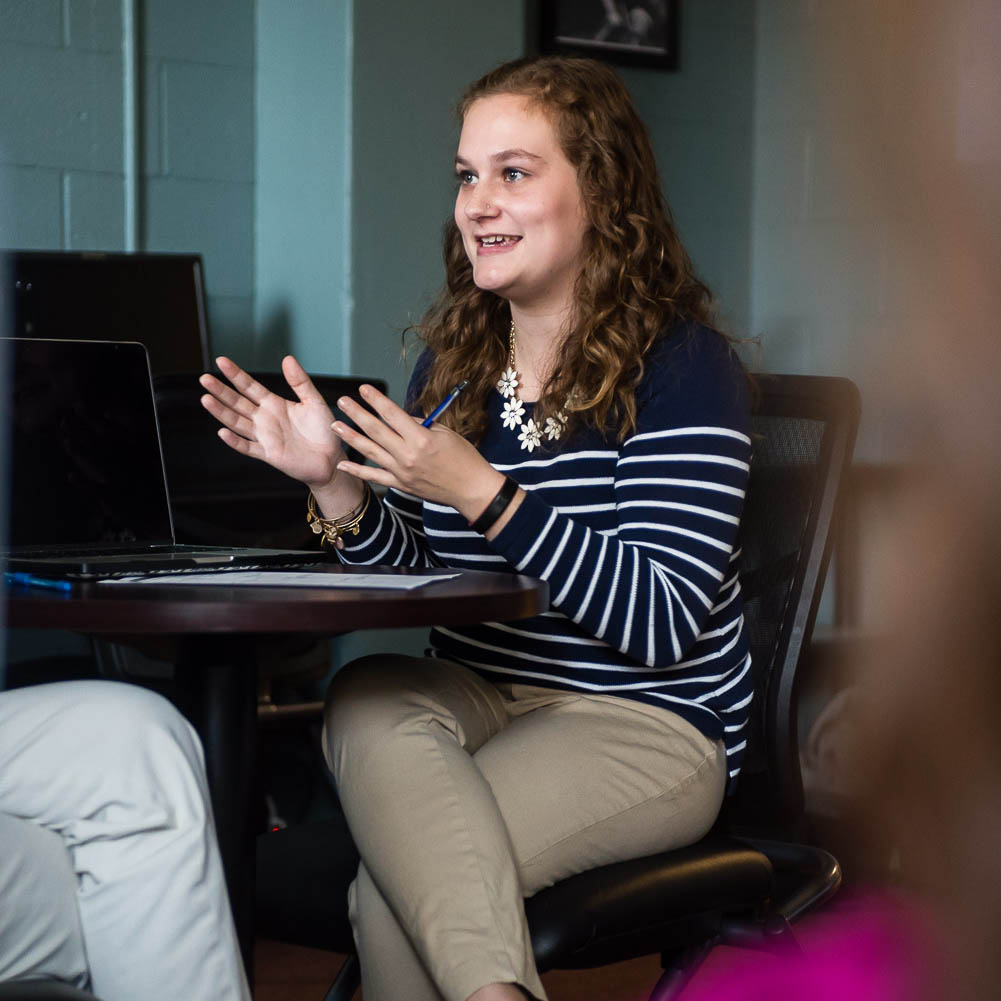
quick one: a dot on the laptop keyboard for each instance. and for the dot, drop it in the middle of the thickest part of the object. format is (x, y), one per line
(171, 570)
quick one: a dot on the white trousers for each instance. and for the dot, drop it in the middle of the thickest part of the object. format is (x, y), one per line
(110, 876)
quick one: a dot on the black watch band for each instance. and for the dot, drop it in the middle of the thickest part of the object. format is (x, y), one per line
(496, 507)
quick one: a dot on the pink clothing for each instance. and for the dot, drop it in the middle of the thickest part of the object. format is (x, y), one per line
(873, 948)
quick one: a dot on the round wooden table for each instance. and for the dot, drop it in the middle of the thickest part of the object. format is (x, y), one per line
(143, 609)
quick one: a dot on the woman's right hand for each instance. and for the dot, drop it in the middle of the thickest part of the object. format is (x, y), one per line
(294, 437)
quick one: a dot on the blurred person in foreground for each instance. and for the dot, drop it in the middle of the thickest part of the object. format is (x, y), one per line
(925, 758)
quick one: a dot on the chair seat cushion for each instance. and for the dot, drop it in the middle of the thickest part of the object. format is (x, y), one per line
(643, 905)
(303, 874)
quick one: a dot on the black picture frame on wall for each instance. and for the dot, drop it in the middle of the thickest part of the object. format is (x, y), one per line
(627, 32)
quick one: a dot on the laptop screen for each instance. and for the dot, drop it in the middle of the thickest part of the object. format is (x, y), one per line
(85, 463)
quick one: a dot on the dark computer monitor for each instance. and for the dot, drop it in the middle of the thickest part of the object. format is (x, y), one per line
(156, 299)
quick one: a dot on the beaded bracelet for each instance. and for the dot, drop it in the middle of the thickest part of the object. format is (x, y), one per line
(332, 529)
(496, 507)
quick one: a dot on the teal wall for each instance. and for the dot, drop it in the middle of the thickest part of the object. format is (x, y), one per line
(67, 144)
(701, 124)
(198, 137)
(61, 125)
(410, 63)
(304, 149)
(303, 192)
(353, 181)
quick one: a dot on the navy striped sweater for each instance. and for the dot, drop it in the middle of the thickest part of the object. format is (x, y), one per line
(637, 542)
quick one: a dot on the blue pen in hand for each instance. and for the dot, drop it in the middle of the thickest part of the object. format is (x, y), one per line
(30, 580)
(445, 404)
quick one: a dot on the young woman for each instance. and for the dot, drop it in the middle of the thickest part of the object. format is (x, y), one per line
(601, 444)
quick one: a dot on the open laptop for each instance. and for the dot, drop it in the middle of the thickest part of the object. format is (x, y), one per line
(88, 492)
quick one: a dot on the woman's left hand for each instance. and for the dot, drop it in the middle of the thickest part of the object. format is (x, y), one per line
(433, 463)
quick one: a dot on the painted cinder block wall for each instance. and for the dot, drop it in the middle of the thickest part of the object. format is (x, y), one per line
(65, 142)
(61, 123)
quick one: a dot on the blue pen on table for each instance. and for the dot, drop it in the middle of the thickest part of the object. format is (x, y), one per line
(30, 580)
(445, 404)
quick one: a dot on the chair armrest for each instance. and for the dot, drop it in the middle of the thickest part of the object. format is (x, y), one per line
(590, 912)
(818, 874)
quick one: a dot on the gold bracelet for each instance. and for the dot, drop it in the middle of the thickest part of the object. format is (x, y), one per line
(332, 529)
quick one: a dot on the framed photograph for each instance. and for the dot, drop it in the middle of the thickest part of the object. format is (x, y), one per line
(628, 32)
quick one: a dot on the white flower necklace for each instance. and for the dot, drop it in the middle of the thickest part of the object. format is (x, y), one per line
(531, 433)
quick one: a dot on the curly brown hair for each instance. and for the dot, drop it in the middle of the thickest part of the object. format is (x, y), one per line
(636, 282)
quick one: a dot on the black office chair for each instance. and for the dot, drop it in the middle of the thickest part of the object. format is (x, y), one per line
(752, 875)
(222, 498)
(218, 496)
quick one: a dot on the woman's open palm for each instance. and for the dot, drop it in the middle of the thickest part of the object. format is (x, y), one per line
(293, 436)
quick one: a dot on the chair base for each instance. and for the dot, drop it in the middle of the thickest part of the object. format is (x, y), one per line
(346, 982)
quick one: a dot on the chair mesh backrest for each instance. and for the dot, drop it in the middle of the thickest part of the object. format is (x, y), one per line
(803, 429)
(776, 513)
(217, 495)
(198, 465)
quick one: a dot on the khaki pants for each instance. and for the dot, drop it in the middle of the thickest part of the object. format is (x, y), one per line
(465, 797)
